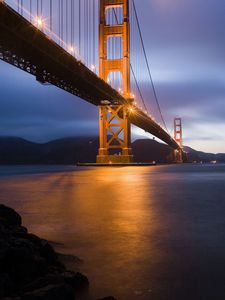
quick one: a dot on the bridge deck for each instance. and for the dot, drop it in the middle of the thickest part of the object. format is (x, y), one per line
(27, 48)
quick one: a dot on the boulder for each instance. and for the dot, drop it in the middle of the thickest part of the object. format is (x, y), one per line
(30, 269)
(39, 283)
(47, 252)
(9, 216)
(5, 284)
(22, 263)
(51, 292)
(108, 298)
(77, 281)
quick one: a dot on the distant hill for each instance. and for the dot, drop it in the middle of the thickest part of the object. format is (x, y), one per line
(15, 150)
(200, 156)
(146, 150)
(62, 151)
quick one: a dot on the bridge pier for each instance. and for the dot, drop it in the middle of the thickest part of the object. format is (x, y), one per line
(178, 156)
(114, 135)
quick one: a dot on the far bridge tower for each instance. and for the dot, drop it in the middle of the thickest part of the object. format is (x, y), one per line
(178, 137)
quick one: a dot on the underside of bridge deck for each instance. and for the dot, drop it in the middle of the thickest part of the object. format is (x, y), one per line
(27, 48)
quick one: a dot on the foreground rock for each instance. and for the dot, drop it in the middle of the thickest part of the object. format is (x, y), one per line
(30, 268)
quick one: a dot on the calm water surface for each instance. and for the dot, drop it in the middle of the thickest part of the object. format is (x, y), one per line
(148, 233)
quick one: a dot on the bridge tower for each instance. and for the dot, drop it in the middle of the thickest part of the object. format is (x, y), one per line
(114, 125)
(178, 136)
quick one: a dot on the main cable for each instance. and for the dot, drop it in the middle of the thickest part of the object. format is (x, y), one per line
(148, 67)
(132, 70)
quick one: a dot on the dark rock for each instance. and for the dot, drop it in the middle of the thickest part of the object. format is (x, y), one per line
(77, 281)
(22, 263)
(21, 229)
(69, 259)
(5, 285)
(9, 216)
(48, 253)
(49, 279)
(51, 292)
(14, 298)
(30, 269)
(108, 298)
(35, 240)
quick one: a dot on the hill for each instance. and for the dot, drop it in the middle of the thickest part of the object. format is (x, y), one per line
(15, 150)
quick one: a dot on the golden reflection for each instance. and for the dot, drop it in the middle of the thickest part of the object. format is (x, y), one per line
(104, 215)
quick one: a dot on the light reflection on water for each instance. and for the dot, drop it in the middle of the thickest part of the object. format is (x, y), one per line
(143, 233)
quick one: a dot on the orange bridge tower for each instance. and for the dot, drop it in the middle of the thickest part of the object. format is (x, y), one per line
(114, 125)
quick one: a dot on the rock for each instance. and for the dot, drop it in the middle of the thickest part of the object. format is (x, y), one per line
(48, 253)
(9, 216)
(51, 292)
(108, 298)
(22, 262)
(69, 259)
(35, 240)
(49, 279)
(5, 285)
(30, 269)
(77, 281)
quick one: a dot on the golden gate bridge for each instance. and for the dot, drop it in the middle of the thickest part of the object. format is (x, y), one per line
(93, 49)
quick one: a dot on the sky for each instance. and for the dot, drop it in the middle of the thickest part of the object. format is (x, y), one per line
(185, 44)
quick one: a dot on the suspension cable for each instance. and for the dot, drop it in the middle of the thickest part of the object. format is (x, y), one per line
(132, 70)
(148, 67)
(138, 88)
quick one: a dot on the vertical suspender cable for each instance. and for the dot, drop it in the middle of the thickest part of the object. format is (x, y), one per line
(66, 22)
(148, 67)
(72, 23)
(79, 17)
(87, 31)
(62, 21)
(94, 24)
(30, 10)
(59, 21)
(51, 15)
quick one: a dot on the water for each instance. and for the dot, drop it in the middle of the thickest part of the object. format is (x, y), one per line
(148, 233)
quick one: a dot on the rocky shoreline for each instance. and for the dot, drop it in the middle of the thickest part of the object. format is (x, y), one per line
(30, 269)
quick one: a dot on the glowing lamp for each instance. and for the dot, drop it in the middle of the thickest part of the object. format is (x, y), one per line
(93, 68)
(131, 109)
(71, 49)
(40, 22)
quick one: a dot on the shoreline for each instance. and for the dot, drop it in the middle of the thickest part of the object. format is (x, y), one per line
(30, 268)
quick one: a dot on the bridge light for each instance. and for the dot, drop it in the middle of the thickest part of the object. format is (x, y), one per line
(40, 22)
(93, 68)
(131, 109)
(71, 49)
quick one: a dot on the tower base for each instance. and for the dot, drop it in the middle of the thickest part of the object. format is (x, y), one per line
(178, 156)
(114, 159)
